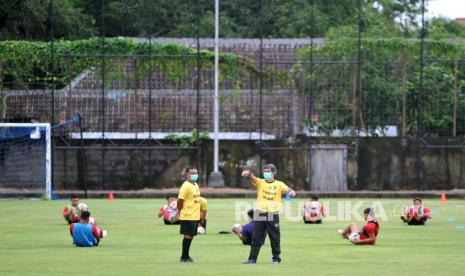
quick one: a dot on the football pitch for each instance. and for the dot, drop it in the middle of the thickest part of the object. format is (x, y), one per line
(34, 239)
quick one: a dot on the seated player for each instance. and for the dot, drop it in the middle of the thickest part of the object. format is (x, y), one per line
(71, 212)
(314, 211)
(169, 212)
(416, 214)
(83, 207)
(85, 234)
(244, 232)
(202, 227)
(367, 235)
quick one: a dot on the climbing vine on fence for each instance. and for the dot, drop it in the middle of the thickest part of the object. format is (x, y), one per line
(389, 92)
(27, 64)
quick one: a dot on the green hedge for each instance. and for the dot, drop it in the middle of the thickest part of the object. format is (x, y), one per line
(28, 64)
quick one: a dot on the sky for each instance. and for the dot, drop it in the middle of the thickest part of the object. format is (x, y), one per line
(447, 8)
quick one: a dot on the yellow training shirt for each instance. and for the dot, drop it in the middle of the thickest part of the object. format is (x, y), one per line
(190, 193)
(203, 204)
(269, 194)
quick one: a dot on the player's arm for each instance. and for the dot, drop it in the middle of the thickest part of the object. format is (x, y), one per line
(73, 215)
(289, 191)
(427, 213)
(183, 194)
(239, 235)
(65, 212)
(71, 228)
(371, 238)
(249, 174)
(97, 232)
(161, 212)
(203, 215)
(179, 206)
(322, 210)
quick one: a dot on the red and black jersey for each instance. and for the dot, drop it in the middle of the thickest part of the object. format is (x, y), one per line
(372, 227)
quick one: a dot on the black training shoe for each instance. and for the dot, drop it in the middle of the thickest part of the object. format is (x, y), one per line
(187, 260)
(276, 261)
(250, 261)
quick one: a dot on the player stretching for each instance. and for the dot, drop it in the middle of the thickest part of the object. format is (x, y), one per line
(368, 233)
(266, 217)
(71, 212)
(189, 211)
(416, 214)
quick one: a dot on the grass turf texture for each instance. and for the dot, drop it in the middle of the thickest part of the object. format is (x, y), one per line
(34, 239)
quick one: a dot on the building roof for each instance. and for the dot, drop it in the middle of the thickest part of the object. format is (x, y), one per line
(460, 21)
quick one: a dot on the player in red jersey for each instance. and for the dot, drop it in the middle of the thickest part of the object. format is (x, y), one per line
(71, 212)
(367, 235)
(416, 214)
(314, 211)
(169, 212)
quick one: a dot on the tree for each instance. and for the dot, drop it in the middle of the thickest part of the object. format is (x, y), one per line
(29, 19)
(441, 27)
(177, 18)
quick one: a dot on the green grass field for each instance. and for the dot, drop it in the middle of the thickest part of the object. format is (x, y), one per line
(34, 239)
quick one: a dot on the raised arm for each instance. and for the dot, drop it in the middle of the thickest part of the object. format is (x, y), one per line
(249, 174)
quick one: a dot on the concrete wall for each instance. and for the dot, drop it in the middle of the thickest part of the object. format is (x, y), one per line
(372, 164)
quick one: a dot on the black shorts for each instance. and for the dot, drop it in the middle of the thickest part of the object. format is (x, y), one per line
(189, 227)
(312, 222)
(167, 222)
(418, 222)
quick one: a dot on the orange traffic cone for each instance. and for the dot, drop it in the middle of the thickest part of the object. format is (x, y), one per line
(443, 198)
(111, 197)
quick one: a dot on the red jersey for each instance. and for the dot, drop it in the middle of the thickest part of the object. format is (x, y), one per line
(372, 227)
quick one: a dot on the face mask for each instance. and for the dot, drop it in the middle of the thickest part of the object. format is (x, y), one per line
(267, 175)
(194, 177)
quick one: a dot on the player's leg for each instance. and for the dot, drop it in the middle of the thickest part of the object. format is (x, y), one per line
(258, 235)
(272, 227)
(186, 244)
(351, 228)
(189, 230)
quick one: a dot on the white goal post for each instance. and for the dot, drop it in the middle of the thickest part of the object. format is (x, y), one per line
(16, 141)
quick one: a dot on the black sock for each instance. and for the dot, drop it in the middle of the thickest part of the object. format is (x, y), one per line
(186, 244)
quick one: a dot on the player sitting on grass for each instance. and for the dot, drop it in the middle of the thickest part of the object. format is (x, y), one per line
(85, 234)
(202, 228)
(314, 211)
(244, 232)
(416, 214)
(169, 212)
(71, 212)
(368, 233)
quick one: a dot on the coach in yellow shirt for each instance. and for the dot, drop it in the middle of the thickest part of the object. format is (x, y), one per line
(189, 211)
(269, 194)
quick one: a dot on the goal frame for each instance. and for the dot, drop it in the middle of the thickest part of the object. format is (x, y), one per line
(48, 151)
